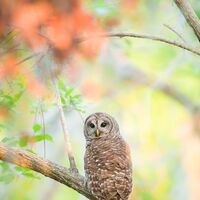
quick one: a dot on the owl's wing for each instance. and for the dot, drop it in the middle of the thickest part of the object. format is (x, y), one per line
(116, 180)
(123, 183)
(123, 173)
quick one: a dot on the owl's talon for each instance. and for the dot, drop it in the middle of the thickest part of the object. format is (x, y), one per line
(86, 184)
(73, 171)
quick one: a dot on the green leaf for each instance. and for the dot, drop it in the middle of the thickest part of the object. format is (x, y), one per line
(22, 142)
(63, 101)
(8, 97)
(69, 91)
(30, 175)
(20, 85)
(4, 165)
(36, 128)
(11, 141)
(69, 98)
(21, 169)
(41, 137)
(77, 96)
(7, 178)
(2, 126)
(26, 172)
(18, 95)
(31, 151)
(61, 85)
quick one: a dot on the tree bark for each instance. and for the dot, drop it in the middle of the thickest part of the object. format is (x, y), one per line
(142, 36)
(46, 168)
(190, 16)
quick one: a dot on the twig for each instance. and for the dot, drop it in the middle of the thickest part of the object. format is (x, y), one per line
(44, 129)
(178, 96)
(190, 16)
(38, 61)
(144, 36)
(141, 78)
(65, 130)
(27, 58)
(7, 38)
(174, 31)
(45, 167)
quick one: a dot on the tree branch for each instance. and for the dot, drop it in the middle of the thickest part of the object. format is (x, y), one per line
(45, 167)
(141, 78)
(68, 146)
(143, 36)
(190, 16)
(175, 32)
(179, 97)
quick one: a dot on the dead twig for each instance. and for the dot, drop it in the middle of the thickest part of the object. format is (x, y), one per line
(143, 36)
(72, 162)
(174, 31)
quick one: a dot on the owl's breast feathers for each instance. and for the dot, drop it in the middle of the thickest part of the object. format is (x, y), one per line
(108, 168)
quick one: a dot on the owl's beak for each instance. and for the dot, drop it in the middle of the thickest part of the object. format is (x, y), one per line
(97, 133)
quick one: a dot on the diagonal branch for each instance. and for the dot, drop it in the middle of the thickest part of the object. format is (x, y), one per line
(45, 167)
(175, 32)
(68, 146)
(140, 77)
(143, 36)
(179, 97)
(189, 15)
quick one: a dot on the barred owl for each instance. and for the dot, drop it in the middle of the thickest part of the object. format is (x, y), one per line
(107, 160)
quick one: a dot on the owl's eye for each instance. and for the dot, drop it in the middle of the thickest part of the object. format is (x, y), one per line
(91, 125)
(104, 124)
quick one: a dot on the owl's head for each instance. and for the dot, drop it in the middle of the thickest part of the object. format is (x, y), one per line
(100, 125)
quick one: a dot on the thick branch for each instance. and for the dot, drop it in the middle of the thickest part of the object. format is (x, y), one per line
(189, 15)
(45, 167)
(144, 36)
(141, 78)
(178, 96)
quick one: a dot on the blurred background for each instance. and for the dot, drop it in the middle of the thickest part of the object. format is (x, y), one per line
(151, 88)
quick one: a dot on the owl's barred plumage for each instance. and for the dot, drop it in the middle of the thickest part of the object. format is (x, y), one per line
(108, 165)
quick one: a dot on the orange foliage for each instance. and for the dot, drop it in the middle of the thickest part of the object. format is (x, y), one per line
(1, 27)
(3, 112)
(40, 24)
(91, 47)
(129, 5)
(91, 89)
(8, 67)
(58, 24)
(28, 19)
(1, 72)
(34, 86)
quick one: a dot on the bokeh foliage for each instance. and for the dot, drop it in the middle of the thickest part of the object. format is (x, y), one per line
(124, 77)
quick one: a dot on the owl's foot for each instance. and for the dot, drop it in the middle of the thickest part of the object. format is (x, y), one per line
(86, 185)
(74, 171)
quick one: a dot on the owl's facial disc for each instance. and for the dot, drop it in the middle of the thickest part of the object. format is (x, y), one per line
(98, 125)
